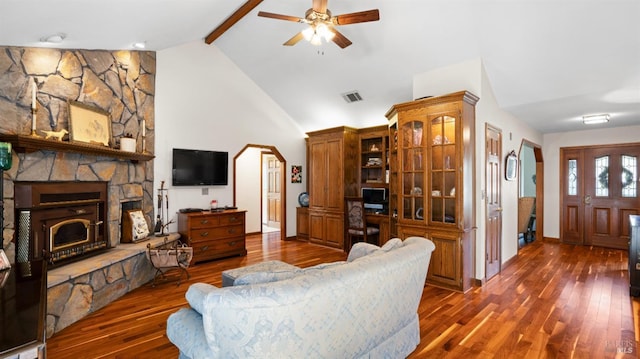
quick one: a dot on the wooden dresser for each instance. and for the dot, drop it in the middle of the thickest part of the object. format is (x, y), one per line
(213, 234)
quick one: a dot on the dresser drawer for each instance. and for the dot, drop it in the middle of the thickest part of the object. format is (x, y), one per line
(237, 218)
(204, 222)
(205, 234)
(216, 248)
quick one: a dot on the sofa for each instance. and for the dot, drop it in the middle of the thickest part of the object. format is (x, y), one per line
(364, 307)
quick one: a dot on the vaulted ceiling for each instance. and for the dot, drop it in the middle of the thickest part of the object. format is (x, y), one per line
(549, 62)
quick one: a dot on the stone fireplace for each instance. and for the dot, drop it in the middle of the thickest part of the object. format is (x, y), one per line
(121, 83)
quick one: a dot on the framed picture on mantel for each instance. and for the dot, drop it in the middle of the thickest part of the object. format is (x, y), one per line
(89, 124)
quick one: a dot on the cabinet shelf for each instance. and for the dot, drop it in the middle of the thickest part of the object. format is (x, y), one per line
(27, 144)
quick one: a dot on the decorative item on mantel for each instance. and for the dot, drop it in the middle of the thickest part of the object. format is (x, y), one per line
(89, 124)
(128, 143)
(144, 135)
(34, 106)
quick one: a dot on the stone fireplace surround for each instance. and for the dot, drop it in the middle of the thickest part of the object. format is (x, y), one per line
(121, 83)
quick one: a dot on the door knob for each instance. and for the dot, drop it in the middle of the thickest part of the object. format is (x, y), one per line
(587, 199)
(499, 209)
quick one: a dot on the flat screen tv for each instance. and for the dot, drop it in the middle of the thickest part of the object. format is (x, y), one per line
(199, 168)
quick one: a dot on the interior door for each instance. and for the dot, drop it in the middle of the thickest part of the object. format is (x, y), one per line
(600, 191)
(273, 192)
(493, 155)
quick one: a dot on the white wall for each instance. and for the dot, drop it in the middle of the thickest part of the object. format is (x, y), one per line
(527, 170)
(203, 101)
(551, 153)
(470, 75)
(248, 195)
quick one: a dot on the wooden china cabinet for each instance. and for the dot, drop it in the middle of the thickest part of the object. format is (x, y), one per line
(333, 174)
(432, 189)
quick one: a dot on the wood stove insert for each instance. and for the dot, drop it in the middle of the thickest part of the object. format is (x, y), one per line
(64, 219)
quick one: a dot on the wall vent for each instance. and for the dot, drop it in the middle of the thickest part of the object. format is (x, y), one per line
(352, 96)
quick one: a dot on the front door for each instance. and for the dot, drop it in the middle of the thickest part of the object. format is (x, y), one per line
(494, 200)
(600, 191)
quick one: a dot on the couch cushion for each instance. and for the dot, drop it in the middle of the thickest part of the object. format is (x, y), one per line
(230, 275)
(391, 244)
(361, 249)
(265, 277)
(196, 293)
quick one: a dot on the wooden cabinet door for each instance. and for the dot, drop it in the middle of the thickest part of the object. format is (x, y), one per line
(334, 224)
(317, 174)
(445, 266)
(316, 227)
(334, 175)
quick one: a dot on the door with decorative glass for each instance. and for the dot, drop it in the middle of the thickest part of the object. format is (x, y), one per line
(600, 191)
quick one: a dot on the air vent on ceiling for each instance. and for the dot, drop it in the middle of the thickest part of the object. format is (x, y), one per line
(352, 96)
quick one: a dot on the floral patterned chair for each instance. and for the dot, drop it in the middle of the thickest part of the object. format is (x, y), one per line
(356, 223)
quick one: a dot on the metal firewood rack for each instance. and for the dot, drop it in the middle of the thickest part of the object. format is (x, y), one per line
(169, 256)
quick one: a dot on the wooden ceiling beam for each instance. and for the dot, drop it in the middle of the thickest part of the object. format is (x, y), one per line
(231, 20)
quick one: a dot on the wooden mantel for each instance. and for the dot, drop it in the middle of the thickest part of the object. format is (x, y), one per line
(27, 143)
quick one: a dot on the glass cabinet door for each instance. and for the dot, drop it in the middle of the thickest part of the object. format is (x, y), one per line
(412, 167)
(443, 169)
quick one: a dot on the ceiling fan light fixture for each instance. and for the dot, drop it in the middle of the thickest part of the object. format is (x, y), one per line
(308, 33)
(595, 119)
(323, 30)
(316, 40)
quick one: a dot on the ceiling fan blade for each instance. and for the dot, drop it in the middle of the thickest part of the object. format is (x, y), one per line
(340, 39)
(231, 20)
(280, 17)
(294, 40)
(356, 17)
(320, 6)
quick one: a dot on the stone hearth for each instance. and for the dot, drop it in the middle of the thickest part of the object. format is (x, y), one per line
(80, 288)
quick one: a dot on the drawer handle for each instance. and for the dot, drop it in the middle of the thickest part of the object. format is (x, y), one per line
(233, 219)
(204, 234)
(232, 243)
(204, 248)
(231, 231)
(204, 221)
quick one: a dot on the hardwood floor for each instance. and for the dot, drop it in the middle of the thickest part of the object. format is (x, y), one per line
(552, 301)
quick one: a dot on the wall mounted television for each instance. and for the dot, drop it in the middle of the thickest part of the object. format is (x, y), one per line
(199, 167)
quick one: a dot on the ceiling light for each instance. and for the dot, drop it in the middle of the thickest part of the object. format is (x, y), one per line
(54, 39)
(139, 45)
(317, 31)
(594, 119)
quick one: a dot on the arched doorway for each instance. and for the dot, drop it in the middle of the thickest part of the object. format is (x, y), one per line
(530, 193)
(248, 185)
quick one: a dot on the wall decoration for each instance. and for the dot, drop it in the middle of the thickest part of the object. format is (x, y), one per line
(89, 124)
(511, 168)
(296, 174)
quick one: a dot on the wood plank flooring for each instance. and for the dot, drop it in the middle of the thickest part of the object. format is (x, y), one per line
(552, 301)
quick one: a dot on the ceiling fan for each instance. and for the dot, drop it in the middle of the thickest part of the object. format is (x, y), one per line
(322, 25)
